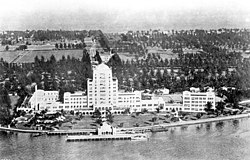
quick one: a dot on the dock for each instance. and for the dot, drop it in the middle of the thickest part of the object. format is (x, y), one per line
(51, 133)
(99, 138)
(71, 132)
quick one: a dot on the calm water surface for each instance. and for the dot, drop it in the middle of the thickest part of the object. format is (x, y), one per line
(212, 141)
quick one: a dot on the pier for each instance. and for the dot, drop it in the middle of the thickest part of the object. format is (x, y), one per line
(71, 132)
(98, 138)
(57, 132)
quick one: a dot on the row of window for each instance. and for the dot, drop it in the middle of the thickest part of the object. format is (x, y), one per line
(195, 102)
(50, 93)
(84, 98)
(149, 105)
(193, 109)
(50, 99)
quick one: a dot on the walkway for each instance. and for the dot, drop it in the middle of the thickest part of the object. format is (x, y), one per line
(185, 123)
(58, 132)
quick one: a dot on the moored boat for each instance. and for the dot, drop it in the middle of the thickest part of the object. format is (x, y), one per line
(139, 137)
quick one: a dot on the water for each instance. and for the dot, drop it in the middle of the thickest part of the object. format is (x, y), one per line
(213, 141)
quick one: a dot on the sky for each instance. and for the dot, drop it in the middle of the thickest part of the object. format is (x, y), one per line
(123, 15)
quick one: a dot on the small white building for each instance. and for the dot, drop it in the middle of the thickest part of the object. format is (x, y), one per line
(42, 100)
(106, 129)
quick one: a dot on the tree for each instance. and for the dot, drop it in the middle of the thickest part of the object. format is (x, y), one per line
(208, 107)
(22, 47)
(5, 116)
(65, 45)
(110, 117)
(127, 111)
(56, 46)
(98, 57)
(97, 113)
(220, 106)
(7, 48)
(61, 94)
(61, 45)
(5, 106)
(158, 110)
(69, 46)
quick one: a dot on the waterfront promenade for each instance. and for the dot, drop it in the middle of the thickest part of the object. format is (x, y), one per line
(185, 123)
(140, 129)
(57, 132)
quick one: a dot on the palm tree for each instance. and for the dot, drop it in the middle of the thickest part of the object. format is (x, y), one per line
(220, 106)
(208, 107)
(110, 116)
(97, 113)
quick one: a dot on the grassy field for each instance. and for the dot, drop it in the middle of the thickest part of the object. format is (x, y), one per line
(9, 56)
(127, 121)
(29, 56)
(164, 54)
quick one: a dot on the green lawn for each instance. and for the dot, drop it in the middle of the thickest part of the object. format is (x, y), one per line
(127, 120)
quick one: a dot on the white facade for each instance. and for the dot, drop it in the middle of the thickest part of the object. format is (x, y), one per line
(131, 100)
(197, 101)
(75, 101)
(102, 89)
(152, 104)
(42, 100)
(102, 94)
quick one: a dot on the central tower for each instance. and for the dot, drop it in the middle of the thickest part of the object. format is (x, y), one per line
(102, 89)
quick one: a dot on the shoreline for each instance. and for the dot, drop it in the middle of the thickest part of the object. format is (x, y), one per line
(146, 128)
(186, 123)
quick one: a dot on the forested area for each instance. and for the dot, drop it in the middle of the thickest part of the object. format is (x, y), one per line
(59, 36)
(137, 42)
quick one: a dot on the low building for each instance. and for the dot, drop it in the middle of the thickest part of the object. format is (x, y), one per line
(197, 101)
(75, 101)
(152, 104)
(42, 100)
(131, 100)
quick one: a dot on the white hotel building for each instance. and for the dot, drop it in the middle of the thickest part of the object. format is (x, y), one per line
(102, 94)
(102, 89)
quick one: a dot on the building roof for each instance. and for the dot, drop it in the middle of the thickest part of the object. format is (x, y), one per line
(172, 97)
(101, 67)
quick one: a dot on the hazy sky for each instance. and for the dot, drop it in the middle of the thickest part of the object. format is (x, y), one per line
(122, 15)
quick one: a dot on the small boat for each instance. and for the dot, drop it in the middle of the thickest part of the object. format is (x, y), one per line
(159, 129)
(139, 137)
